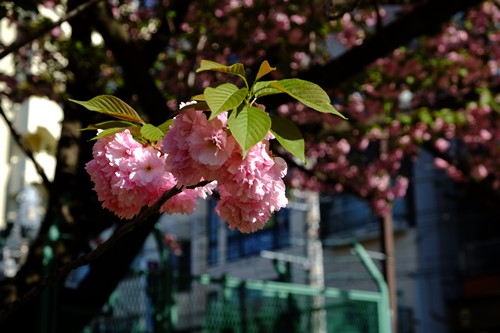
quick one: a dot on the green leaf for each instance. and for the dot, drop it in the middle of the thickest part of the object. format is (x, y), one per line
(106, 132)
(203, 106)
(164, 127)
(308, 93)
(200, 97)
(264, 69)
(112, 106)
(289, 136)
(264, 88)
(225, 97)
(208, 65)
(109, 124)
(151, 132)
(249, 126)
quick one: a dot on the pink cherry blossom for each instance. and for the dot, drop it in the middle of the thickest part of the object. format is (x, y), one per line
(196, 147)
(129, 176)
(251, 189)
(210, 144)
(186, 201)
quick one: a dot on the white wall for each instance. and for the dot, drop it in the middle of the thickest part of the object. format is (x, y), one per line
(16, 170)
(7, 36)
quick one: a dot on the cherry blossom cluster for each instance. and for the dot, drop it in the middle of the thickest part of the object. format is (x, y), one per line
(419, 96)
(128, 175)
(250, 188)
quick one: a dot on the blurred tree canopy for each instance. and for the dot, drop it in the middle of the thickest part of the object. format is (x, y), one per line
(409, 75)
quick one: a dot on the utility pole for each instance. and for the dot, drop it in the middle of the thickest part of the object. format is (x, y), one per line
(315, 255)
(389, 267)
(387, 244)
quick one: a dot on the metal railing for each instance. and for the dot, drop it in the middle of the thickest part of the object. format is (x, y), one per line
(142, 303)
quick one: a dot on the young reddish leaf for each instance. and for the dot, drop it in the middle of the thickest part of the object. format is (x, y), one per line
(264, 69)
(208, 65)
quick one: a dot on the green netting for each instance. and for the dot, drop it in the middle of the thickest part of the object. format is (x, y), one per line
(254, 312)
(231, 306)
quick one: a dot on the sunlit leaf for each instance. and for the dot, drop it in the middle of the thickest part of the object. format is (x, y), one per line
(264, 88)
(109, 124)
(264, 69)
(289, 136)
(249, 126)
(151, 132)
(164, 127)
(202, 106)
(112, 106)
(200, 97)
(225, 97)
(208, 65)
(308, 93)
(106, 132)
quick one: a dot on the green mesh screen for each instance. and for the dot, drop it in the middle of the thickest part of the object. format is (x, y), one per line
(141, 303)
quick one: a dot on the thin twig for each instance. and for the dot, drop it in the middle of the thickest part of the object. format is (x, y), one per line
(86, 259)
(37, 34)
(333, 13)
(19, 140)
(378, 24)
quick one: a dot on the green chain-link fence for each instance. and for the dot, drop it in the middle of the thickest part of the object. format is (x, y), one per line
(229, 305)
(271, 307)
(145, 303)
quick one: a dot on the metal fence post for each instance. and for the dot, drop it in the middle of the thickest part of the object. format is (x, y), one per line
(384, 312)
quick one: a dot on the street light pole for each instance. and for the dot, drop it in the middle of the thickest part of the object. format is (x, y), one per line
(387, 242)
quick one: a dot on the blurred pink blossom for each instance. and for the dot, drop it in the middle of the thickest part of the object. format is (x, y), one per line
(442, 145)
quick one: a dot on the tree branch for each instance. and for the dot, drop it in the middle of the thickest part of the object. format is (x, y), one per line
(168, 27)
(425, 19)
(111, 242)
(18, 138)
(133, 60)
(46, 29)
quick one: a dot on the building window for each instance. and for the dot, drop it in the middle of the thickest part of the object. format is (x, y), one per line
(346, 215)
(275, 235)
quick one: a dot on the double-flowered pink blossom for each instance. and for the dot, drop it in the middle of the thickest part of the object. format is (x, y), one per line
(251, 188)
(129, 176)
(196, 147)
